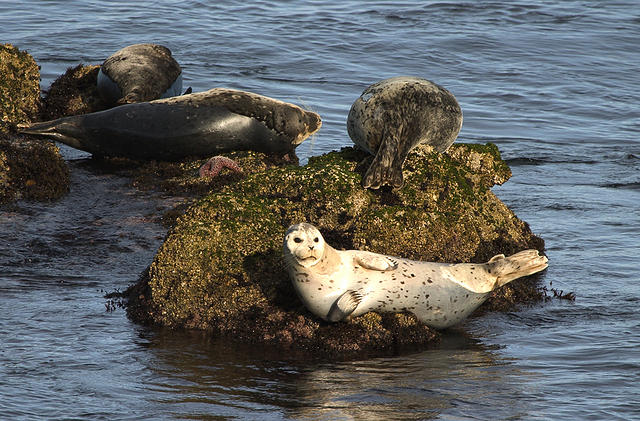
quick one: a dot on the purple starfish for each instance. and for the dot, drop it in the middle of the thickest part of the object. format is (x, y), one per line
(213, 166)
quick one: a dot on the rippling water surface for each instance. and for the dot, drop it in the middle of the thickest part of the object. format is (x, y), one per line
(554, 84)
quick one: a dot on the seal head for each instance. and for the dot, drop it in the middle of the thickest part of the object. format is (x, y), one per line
(304, 245)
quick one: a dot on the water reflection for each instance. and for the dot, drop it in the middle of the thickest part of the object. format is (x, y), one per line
(461, 378)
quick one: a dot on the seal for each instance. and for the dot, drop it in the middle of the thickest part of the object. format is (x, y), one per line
(138, 73)
(194, 125)
(335, 285)
(395, 115)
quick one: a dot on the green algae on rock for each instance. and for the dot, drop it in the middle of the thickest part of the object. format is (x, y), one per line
(31, 170)
(19, 87)
(181, 179)
(220, 268)
(28, 169)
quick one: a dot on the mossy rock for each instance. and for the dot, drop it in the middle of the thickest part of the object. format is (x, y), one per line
(181, 178)
(28, 169)
(19, 87)
(73, 93)
(31, 170)
(220, 268)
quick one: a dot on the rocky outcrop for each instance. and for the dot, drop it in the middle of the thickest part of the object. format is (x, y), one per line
(220, 268)
(75, 92)
(28, 169)
(19, 87)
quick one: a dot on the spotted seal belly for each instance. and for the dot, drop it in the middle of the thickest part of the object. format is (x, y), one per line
(335, 285)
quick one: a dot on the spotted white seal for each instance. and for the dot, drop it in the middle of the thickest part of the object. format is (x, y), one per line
(394, 116)
(336, 284)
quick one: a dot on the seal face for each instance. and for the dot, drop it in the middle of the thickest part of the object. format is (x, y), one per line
(395, 115)
(138, 73)
(198, 125)
(336, 284)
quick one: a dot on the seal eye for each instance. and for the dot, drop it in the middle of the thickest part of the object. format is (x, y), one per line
(315, 240)
(298, 240)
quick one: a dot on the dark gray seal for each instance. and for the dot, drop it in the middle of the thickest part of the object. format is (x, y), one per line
(138, 73)
(395, 115)
(195, 125)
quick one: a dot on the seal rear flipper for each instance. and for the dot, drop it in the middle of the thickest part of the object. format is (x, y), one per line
(506, 269)
(344, 306)
(67, 130)
(386, 168)
(108, 90)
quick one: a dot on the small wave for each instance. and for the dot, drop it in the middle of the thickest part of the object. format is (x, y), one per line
(561, 206)
(635, 185)
(522, 161)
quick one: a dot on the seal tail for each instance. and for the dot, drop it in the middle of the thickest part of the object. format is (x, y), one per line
(45, 128)
(524, 263)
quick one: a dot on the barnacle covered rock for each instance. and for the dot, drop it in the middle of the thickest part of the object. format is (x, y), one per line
(220, 268)
(28, 169)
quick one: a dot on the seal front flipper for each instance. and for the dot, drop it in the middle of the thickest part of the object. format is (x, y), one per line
(344, 306)
(386, 168)
(375, 262)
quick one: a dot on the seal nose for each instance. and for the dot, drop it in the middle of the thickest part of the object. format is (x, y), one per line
(311, 247)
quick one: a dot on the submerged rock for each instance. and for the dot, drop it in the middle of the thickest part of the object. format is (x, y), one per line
(28, 169)
(221, 269)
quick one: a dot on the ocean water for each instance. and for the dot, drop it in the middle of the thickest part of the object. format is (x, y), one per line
(554, 84)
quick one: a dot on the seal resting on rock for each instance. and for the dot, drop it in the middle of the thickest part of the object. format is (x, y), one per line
(395, 115)
(194, 125)
(138, 73)
(336, 284)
